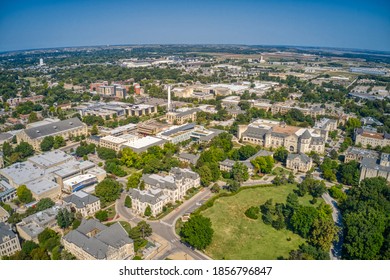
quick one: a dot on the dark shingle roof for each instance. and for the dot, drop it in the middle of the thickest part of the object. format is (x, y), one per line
(255, 132)
(99, 245)
(192, 158)
(303, 157)
(306, 135)
(180, 128)
(6, 230)
(81, 199)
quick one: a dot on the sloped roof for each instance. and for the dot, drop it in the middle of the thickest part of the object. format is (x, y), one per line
(306, 135)
(302, 157)
(53, 128)
(99, 245)
(81, 199)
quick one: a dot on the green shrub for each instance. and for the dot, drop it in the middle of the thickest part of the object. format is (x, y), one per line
(252, 212)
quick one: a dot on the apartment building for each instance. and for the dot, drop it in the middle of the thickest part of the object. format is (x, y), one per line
(112, 91)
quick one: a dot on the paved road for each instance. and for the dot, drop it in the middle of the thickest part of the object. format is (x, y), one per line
(165, 228)
(335, 251)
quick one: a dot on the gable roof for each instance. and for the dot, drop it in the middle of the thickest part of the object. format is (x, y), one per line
(80, 199)
(100, 245)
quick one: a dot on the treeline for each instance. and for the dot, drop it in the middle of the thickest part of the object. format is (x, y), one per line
(366, 219)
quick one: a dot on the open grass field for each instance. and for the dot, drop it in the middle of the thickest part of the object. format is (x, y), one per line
(238, 237)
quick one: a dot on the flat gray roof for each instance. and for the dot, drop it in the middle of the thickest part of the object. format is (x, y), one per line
(51, 158)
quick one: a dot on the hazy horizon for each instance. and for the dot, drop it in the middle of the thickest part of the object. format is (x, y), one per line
(40, 24)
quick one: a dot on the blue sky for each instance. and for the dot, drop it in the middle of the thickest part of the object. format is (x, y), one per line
(328, 23)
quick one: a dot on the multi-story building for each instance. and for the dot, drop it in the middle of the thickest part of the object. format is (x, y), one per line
(13, 102)
(7, 192)
(161, 190)
(273, 134)
(94, 241)
(112, 91)
(66, 128)
(227, 164)
(357, 154)
(151, 127)
(95, 86)
(30, 227)
(325, 125)
(371, 139)
(45, 174)
(375, 167)
(299, 162)
(83, 203)
(9, 241)
(182, 116)
(177, 134)
(112, 142)
(282, 108)
(116, 109)
(4, 215)
(142, 144)
(120, 130)
(189, 158)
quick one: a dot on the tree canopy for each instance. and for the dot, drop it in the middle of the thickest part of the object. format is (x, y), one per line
(366, 220)
(197, 232)
(108, 190)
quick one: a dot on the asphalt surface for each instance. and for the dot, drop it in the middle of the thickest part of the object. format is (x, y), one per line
(165, 228)
(336, 249)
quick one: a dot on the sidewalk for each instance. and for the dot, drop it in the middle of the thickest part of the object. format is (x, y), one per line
(160, 250)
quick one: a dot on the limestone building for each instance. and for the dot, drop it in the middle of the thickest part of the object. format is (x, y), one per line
(83, 203)
(161, 190)
(375, 167)
(371, 139)
(9, 241)
(94, 241)
(273, 134)
(299, 162)
(182, 116)
(66, 128)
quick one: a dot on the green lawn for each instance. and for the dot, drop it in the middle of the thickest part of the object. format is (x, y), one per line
(129, 170)
(111, 212)
(280, 171)
(126, 226)
(238, 237)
